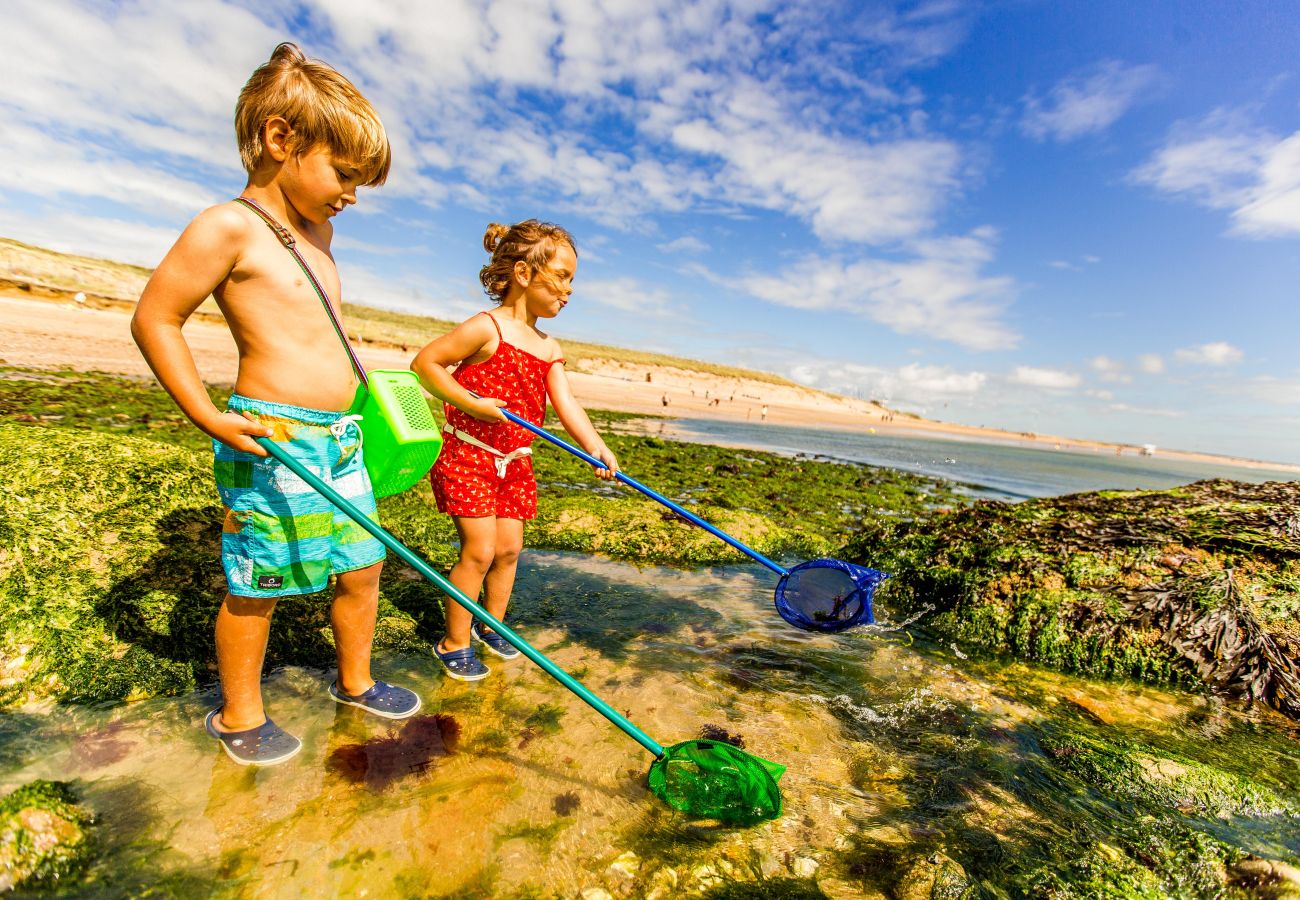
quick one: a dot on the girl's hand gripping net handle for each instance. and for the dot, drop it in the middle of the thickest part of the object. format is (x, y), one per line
(653, 495)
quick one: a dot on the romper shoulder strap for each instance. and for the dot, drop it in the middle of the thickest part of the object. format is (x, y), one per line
(495, 324)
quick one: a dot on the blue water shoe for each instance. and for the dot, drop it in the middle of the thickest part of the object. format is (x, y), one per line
(494, 642)
(382, 699)
(462, 664)
(265, 745)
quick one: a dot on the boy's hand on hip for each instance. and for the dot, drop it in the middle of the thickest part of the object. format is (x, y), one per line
(238, 431)
(605, 455)
(486, 409)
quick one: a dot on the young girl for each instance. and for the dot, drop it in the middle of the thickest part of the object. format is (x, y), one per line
(483, 477)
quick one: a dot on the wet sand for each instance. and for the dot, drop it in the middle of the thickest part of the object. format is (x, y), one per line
(54, 334)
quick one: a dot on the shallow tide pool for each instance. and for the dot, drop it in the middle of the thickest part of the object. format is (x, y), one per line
(908, 765)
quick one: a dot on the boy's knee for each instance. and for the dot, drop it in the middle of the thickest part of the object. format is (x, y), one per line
(359, 581)
(249, 606)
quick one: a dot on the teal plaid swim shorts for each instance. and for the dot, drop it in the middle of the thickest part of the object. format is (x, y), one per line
(280, 537)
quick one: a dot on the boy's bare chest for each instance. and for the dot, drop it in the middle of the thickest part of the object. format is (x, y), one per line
(269, 298)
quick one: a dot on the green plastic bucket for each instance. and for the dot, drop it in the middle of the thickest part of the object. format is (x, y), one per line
(400, 438)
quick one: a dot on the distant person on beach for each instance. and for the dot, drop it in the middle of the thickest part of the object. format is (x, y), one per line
(483, 477)
(664, 399)
(763, 414)
(308, 139)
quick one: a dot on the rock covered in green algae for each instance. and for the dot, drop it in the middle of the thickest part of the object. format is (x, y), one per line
(1132, 771)
(44, 835)
(1194, 585)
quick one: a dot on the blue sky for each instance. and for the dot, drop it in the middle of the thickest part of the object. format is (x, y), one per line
(1079, 218)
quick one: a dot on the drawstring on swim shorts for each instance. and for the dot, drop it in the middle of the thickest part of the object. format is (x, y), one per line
(503, 459)
(340, 427)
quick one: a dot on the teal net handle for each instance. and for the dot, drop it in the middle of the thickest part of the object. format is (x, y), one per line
(456, 594)
(653, 495)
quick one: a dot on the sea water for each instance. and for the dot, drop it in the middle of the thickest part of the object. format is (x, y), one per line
(1003, 471)
(899, 754)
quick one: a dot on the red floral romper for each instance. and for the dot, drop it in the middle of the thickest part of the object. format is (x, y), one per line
(471, 481)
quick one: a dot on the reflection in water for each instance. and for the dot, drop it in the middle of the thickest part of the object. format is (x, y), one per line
(898, 756)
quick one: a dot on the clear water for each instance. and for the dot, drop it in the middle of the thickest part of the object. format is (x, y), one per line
(1001, 470)
(513, 787)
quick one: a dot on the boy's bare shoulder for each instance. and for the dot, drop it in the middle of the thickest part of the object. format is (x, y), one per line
(228, 220)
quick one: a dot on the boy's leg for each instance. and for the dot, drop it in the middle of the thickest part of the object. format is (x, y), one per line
(477, 550)
(356, 602)
(243, 625)
(500, 580)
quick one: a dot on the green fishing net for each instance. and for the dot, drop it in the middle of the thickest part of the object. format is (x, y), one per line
(714, 780)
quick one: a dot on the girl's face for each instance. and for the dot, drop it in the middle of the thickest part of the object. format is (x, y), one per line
(548, 289)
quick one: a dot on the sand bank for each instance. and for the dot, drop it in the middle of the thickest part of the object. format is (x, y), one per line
(56, 334)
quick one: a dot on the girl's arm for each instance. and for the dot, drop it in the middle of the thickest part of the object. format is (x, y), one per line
(461, 343)
(203, 256)
(575, 421)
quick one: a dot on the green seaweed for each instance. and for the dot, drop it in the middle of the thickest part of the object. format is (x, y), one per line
(45, 836)
(110, 575)
(1139, 584)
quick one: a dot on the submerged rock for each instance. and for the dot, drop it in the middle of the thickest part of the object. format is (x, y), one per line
(44, 835)
(1194, 585)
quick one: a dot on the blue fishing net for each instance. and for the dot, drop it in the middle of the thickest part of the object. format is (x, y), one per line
(827, 595)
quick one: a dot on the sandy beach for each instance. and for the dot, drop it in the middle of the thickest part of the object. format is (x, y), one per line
(54, 332)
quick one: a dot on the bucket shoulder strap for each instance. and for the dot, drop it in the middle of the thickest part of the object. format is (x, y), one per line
(283, 234)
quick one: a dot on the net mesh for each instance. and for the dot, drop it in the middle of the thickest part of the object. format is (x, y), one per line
(714, 780)
(827, 595)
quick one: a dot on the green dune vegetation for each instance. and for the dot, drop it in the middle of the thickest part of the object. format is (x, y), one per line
(109, 534)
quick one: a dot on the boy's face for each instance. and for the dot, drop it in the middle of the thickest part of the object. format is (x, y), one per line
(319, 185)
(549, 289)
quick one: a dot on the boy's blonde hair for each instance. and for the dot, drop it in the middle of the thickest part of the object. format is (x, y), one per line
(320, 105)
(531, 241)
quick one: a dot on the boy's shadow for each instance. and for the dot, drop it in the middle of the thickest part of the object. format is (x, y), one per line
(167, 607)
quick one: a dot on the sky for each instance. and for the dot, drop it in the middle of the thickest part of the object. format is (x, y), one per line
(1076, 217)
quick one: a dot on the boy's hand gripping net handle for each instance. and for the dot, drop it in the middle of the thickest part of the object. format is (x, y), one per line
(653, 495)
(456, 594)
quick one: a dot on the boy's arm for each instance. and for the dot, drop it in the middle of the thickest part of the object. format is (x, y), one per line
(202, 257)
(576, 422)
(450, 349)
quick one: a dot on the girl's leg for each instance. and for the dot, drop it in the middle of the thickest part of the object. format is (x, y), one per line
(501, 576)
(243, 626)
(477, 550)
(356, 602)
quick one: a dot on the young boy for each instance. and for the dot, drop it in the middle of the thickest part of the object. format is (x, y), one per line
(308, 140)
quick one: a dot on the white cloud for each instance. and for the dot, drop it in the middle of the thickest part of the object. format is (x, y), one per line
(628, 295)
(114, 239)
(1110, 369)
(1218, 353)
(1049, 379)
(1151, 363)
(1146, 411)
(651, 107)
(939, 293)
(910, 384)
(685, 244)
(1222, 163)
(1088, 103)
(1270, 389)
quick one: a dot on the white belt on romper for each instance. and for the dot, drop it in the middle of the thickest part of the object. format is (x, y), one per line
(503, 459)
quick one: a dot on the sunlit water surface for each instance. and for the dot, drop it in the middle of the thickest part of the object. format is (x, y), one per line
(999, 470)
(512, 786)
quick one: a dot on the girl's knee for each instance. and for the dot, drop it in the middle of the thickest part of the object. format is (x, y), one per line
(507, 555)
(478, 557)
